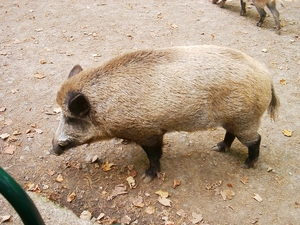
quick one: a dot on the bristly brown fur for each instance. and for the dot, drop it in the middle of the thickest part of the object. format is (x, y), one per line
(142, 95)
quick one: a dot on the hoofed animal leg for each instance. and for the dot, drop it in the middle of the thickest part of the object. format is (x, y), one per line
(262, 14)
(226, 143)
(253, 153)
(222, 3)
(154, 153)
(275, 13)
(243, 8)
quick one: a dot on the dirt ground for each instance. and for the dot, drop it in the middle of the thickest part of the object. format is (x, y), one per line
(40, 41)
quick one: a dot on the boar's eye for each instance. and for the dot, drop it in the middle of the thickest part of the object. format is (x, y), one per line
(79, 105)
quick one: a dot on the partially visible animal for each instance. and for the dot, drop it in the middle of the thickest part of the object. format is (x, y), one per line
(141, 95)
(260, 7)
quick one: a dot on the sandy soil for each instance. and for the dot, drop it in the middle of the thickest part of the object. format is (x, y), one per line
(40, 41)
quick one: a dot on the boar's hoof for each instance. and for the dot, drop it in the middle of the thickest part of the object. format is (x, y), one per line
(147, 178)
(249, 163)
(220, 147)
(149, 175)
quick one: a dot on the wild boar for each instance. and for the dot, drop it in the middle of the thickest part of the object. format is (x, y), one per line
(141, 95)
(260, 7)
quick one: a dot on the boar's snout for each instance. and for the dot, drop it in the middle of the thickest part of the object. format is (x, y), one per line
(59, 147)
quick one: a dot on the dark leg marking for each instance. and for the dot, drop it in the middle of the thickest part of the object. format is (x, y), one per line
(262, 14)
(243, 8)
(154, 153)
(253, 153)
(275, 13)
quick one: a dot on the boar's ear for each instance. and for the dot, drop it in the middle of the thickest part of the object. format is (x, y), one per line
(79, 105)
(76, 69)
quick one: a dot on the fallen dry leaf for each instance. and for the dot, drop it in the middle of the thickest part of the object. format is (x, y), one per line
(16, 132)
(10, 149)
(5, 218)
(138, 202)
(33, 188)
(181, 213)
(8, 122)
(71, 197)
(14, 91)
(176, 183)
(255, 220)
(59, 178)
(120, 189)
(287, 133)
(107, 166)
(212, 186)
(244, 180)
(101, 216)
(56, 110)
(169, 223)
(131, 182)
(150, 210)
(43, 61)
(39, 75)
(257, 197)
(39, 131)
(86, 215)
(227, 194)
(125, 220)
(96, 55)
(282, 82)
(50, 172)
(164, 201)
(197, 218)
(4, 136)
(229, 185)
(95, 159)
(162, 193)
(173, 25)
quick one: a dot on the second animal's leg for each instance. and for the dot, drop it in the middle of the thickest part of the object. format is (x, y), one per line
(262, 14)
(222, 3)
(272, 7)
(153, 149)
(226, 143)
(243, 8)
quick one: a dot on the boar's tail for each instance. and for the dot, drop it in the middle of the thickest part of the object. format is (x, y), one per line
(274, 105)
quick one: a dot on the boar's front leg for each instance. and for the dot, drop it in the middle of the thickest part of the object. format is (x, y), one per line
(153, 149)
(224, 145)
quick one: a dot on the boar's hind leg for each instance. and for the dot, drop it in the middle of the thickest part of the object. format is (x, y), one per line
(253, 153)
(153, 149)
(226, 143)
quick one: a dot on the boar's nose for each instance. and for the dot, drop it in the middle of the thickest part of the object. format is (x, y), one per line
(56, 148)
